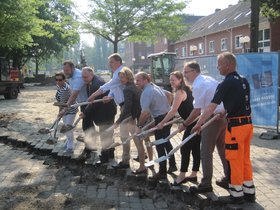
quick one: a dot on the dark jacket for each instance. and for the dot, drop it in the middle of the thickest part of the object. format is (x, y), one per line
(100, 112)
(131, 106)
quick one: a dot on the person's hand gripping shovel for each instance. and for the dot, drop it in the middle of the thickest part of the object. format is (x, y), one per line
(163, 158)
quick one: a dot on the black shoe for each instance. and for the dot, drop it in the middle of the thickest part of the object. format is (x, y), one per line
(121, 165)
(223, 183)
(250, 197)
(137, 158)
(230, 200)
(111, 154)
(201, 189)
(159, 176)
(191, 179)
(172, 169)
(104, 157)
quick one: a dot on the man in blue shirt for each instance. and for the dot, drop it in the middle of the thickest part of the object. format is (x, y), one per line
(154, 102)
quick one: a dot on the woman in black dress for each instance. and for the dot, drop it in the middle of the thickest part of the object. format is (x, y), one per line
(183, 104)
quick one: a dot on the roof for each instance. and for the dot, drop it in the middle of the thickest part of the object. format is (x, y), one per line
(231, 17)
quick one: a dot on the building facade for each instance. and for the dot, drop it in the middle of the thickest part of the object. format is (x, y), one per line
(227, 30)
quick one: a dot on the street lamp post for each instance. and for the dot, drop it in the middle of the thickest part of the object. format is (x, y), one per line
(244, 40)
(142, 62)
(133, 64)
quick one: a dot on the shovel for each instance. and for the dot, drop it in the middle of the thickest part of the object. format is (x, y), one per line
(60, 104)
(144, 134)
(113, 126)
(116, 144)
(87, 102)
(52, 139)
(165, 157)
(164, 140)
(49, 130)
(66, 128)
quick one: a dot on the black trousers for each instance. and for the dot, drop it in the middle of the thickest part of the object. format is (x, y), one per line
(88, 120)
(193, 145)
(164, 149)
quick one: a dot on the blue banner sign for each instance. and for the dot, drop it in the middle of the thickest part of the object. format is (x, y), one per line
(261, 71)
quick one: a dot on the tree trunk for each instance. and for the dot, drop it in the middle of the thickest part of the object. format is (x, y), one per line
(115, 47)
(37, 66)
(255, 8)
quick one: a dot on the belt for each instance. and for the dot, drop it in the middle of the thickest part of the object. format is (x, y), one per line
(236, 121)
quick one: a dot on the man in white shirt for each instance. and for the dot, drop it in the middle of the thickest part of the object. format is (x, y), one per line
(114, 85)
(116, 92)
(203, 90)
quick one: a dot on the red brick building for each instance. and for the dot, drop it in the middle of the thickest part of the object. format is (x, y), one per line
(224, 31)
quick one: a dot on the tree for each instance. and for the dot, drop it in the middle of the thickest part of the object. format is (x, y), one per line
(18, 23)
(62, 28)
(270, 9)
(137, 20)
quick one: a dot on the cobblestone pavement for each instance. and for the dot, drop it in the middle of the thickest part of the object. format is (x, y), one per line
(27, 183)
(59, 187)
(265, 156)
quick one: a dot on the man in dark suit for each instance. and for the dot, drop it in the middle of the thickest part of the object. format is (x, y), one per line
(100, 114)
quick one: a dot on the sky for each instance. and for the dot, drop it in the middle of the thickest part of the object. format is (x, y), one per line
(194, 7)
(206, 7)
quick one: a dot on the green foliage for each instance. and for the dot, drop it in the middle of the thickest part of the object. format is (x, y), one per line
(62, 28)
(59, 22)
(270, 9)
(36, 29)
(141, 20)
(18, 22)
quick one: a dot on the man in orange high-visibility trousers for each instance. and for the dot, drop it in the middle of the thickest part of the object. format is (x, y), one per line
(234, 92)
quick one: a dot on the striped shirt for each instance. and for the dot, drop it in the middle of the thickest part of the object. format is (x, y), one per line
(62, 96)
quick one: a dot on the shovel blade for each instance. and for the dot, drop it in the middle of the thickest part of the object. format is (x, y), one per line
(160, 159)
(159, 141)
(66, 128)
(44, 131)
(150, 163)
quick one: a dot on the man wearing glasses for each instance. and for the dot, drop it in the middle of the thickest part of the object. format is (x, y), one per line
(203, 90)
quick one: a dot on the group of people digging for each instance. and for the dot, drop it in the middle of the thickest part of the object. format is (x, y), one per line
(141, 101)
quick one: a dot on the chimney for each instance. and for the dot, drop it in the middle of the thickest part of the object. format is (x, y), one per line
(217, 10)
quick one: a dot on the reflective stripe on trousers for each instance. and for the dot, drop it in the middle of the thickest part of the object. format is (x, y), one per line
(237, 143)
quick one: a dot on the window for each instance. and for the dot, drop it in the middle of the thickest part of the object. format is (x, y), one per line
(176, 51)
(248, 13)
(184, 52)
(211, 25)
(238, 45)
(222, 21)
(223, 44)
(237, 16)
(264, 38)
(200, 48)
(211, 46)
